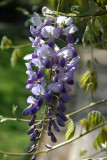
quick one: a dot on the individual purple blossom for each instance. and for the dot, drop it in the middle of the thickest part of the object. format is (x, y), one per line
(33, 157)
(62, 61)
(32, 121)
(47, 63)
(55, 126)
(69, 39)
(31, 130)
(62, 116)
(63, 20)
(65, 97)
(70, 29)
(26, 111)
(48, 96)
(61, 106)
(48, 146)
(53, 138)
(49, 32)
(60, 121)
(38, 89)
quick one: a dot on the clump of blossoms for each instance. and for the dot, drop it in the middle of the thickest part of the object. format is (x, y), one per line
(61, 63)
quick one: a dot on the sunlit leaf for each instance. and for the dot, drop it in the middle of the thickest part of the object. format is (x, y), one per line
(93, 119)
(95, 143)
(70, 129)
(88, 81)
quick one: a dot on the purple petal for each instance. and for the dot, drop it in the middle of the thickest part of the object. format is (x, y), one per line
(36, 20)
(53, 138)
(48, 146)
(28, 57)
(55, 78)
(60, 121)
(31, 150)
(40, 73)
(31, 130)
(55, 126)
(33, 157)
(65, 97)
(37, 62)
(38, 90)
(61, 106)
(26, 111)
(62, 116)
(69, 38)
(70, 30)
(31, 100)
(66, 89)
(47, 10)
(39, 101)
(62, 61)
(74, 60)
(32, 121)
(48, 63)
(49, 31)
(33, 110)
(48, 96)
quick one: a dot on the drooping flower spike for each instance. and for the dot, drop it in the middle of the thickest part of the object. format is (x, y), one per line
(61, 64)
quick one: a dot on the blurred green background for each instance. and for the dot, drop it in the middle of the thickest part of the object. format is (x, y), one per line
(15, 26)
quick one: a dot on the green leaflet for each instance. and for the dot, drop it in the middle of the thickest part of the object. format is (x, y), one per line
(93, 118)
(70, 129)
(88, 81)
(14, 110)
(16, 54)
(6, 43)
(101, 139)
(99, 24)
(104, 39)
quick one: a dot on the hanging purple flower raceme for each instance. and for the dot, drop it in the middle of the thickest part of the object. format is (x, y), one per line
(62, 64)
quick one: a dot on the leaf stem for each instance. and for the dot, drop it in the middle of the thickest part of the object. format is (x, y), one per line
(55, 147)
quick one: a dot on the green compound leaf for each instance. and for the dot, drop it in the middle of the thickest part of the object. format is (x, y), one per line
(70, 129)
(93, 119)
(16, 54)
(6, 43)
(90, 32)
(88, 81)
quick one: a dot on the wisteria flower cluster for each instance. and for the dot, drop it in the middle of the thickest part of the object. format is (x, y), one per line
(61, 64)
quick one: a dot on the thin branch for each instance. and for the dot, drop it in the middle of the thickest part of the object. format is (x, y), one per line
(94, 154)
(98, 13)
(87, 107)
(68, 115)
(55, 147)
(20, 46)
